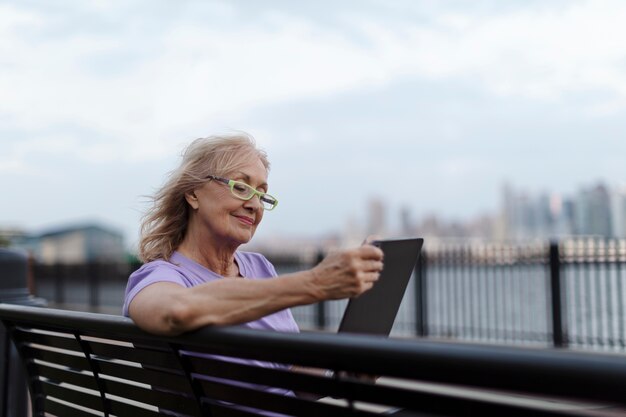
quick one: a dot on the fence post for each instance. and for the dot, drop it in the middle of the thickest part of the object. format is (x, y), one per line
(555, 287)
(320, 308)
(421, 328)
(59, 286)
(93, 278)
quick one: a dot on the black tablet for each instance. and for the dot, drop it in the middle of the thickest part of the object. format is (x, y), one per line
(374, 311)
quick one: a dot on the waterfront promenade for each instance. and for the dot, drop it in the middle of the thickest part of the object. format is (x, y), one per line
(566, 294)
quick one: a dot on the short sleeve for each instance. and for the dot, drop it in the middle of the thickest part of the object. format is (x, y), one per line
(148, 274)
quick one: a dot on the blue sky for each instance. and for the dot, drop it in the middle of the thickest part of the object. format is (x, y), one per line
(430, 104)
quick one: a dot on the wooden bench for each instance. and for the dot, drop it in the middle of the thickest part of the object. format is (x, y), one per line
(85, 364)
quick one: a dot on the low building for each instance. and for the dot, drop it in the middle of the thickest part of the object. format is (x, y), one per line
(69, 245)
(80, 244)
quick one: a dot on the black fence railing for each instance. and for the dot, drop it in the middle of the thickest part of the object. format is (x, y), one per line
(570, 293)
(491, 292)
(86, 286)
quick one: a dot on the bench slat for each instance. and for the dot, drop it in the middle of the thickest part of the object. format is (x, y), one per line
(71, 361)
(122, 409)
(175, 383)
(72, 395)
(67, 343)
(223, 411)
(240, 396)
(157, 398)
(162, 360)
(66, 375)
(57, 409)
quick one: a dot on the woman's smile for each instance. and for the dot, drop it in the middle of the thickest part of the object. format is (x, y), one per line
(245, 219)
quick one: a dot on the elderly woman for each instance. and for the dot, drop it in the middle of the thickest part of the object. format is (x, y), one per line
(194, 275)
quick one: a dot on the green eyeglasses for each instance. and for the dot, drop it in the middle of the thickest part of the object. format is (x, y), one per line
(243, 191)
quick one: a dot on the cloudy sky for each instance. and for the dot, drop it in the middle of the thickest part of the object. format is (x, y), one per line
(426, 104)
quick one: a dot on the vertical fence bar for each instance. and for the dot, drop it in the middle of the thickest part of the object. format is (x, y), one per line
(570, 275)
(612, 276)
(581, 308)
(518, 328)
(421, 317)
(507, 295)
(320, 315)
(494, 299)
(449, 293)
(591, 329)
(555, 287)
(620, 294)
(474, 279)
(490, 306)
(599, 291)
(436, 279)
(59, 287)
(94, 284)
(320, 308)
(468, 292)
(483, 311)
(456, 272)
(444, 294)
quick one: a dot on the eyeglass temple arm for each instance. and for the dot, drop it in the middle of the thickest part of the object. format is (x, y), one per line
(220, 179)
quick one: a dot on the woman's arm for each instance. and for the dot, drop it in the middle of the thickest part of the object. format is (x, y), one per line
(168, 308)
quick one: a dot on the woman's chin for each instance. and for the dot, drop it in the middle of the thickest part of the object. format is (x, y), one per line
(243, 237)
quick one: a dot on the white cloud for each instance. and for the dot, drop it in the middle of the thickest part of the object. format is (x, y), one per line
(538, 53)
(195, 73)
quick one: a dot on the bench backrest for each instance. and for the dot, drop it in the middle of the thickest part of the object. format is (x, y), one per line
(84, 364)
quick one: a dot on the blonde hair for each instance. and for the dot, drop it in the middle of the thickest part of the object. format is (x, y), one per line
(164, 226)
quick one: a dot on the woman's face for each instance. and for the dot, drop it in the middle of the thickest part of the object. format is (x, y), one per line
(224, 217)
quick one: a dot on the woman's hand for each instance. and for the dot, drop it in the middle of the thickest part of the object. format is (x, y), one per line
(347, 273)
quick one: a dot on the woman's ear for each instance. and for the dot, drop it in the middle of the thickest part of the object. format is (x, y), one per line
(192, 199)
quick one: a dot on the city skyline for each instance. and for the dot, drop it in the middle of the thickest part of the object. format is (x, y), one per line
(595, 209)
(427, 105)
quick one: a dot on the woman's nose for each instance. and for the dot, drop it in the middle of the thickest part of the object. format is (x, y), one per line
(254, 203)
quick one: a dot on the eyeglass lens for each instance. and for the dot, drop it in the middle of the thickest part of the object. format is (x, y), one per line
(246, 192)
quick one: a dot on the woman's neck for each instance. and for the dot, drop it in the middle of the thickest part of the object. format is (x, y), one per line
(219, 258)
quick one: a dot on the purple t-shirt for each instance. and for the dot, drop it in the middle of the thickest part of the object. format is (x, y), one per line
(187, 273)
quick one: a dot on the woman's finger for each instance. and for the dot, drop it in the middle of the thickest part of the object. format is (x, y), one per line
(369, 266)
(370, 239)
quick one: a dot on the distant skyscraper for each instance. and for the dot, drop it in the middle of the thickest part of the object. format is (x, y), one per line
(541, 222)
(376, 224)
(521, 213)
(565, 218)
(406, 223)
(509, 212)
(618, 212)
(593, 212)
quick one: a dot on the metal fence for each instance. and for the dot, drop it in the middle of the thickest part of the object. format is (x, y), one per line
(569, 293)
(491, 292)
